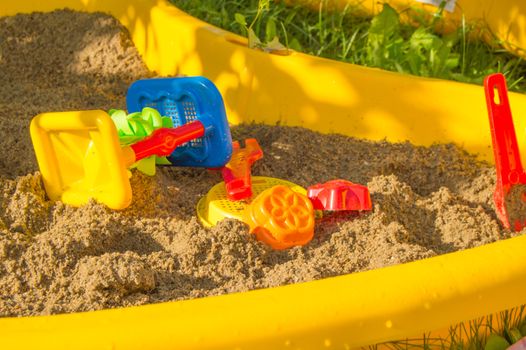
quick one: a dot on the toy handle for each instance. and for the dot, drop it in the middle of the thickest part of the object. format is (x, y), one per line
(505, 147)
(237, 173)
(163, 141)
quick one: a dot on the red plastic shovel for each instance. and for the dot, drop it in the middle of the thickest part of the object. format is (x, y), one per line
(510, 174)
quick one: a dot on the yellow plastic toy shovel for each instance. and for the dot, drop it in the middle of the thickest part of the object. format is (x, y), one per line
(80, 157)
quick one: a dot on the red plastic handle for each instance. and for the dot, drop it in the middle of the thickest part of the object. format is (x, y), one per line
(162, 142)
(505, 147)
(237, 174)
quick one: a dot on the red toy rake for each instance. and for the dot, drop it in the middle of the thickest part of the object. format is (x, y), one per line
(506, 150)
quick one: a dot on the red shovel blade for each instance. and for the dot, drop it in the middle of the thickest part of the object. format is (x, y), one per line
(506, 150)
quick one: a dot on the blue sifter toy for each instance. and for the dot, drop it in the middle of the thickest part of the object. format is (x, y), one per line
(186, 100)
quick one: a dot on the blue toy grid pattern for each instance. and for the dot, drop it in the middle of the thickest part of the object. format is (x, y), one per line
(181, 112)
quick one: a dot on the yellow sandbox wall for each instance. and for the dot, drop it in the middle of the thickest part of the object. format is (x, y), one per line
(343, 312)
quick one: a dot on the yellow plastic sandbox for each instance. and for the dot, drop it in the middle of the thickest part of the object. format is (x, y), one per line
(343, 312)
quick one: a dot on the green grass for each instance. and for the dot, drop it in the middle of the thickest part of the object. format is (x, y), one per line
(493, 332)
(350, 36)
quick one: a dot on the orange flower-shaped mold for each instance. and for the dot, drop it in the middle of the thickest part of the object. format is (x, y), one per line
(281, 217)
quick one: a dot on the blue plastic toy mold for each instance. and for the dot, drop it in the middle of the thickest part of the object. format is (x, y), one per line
(186, 99)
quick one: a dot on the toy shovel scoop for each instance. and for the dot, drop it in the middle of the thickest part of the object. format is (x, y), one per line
(80, 157)
(510, 191)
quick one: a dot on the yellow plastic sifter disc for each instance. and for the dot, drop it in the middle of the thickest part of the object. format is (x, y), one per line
(215, 206)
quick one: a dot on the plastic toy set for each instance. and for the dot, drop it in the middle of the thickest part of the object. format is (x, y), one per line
(180, 122)
(81, 154)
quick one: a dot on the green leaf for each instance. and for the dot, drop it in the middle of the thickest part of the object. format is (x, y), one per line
(294, 44)
(452, 38)
(415, 62)
(240, 19)
(225, 18)
(453, 61)
(384, 41)
(386, 23)
(290, 17)
(421, 38)
(263, 5)
(429, 55)
(270, 30)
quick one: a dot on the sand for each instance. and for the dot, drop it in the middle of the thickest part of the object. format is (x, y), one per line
(516, 205)
(56, 259)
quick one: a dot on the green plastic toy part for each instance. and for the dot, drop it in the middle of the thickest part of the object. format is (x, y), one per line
(134, 127)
